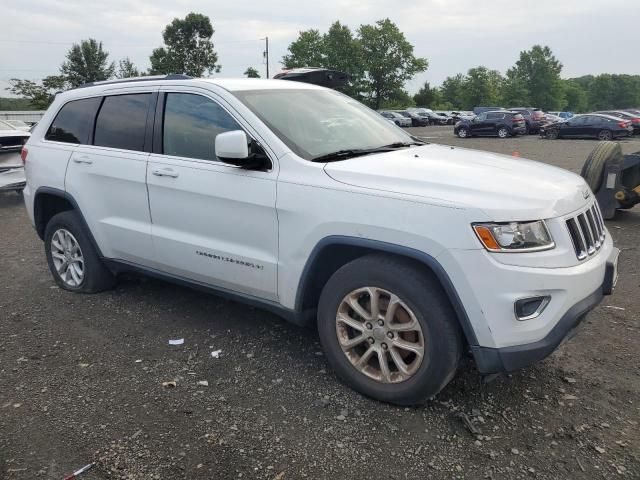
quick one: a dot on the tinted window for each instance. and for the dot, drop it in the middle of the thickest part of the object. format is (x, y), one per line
(494, 116)
(74, 121)
(578, 120)
(481, 117)
(191, 124)
(121, 121)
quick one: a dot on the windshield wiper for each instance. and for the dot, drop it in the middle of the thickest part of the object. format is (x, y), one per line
(357, 152)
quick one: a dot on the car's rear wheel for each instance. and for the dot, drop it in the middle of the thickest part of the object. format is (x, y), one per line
(388, 330)
(605, 135)
(503, 132)
(72, 258)
(463, 132)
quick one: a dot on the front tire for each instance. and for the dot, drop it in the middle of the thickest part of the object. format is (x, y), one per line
(551, 134)
(388, 330)
(463, 132)
(72, 258)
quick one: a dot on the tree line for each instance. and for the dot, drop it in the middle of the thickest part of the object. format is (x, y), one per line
(534, 81)
(378, 59)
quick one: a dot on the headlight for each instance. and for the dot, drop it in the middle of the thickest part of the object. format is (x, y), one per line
(514, 236)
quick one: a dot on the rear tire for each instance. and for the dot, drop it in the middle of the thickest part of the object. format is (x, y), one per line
(503, 132)
(593, 169)
(72, 258)
(605, 135)
(423, 305)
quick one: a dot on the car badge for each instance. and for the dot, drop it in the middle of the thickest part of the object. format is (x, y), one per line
(585, 194)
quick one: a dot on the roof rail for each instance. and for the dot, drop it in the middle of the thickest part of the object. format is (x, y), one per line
(171, 76)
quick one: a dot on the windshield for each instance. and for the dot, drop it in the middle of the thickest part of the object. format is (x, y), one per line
(314, 123)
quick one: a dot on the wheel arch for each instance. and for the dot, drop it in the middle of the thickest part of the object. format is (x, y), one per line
(50, 201)
(332, 252)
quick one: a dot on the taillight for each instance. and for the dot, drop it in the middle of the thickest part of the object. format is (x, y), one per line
(23, 154)
(623, 124)
(635, 120)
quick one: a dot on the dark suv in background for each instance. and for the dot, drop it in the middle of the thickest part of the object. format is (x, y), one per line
(533, 118)
(501, 123)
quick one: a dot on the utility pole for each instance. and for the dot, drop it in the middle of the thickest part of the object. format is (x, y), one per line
(266, 53)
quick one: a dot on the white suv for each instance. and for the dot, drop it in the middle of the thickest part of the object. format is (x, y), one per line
(302, 200)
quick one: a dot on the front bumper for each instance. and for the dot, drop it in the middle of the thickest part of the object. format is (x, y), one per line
(506, 359)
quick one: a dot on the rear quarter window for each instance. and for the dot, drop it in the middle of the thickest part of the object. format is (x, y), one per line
(74, 121)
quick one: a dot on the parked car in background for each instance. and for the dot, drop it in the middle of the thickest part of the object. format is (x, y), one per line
(479, 110)
(533, 118)
(451, 119)
(500, 123)
(396, 118)
(564, 115)
(11, 139)
(550, 118)
(434, 118)
(416, 120)
(18, 124)
(590, 125)
(634, 118)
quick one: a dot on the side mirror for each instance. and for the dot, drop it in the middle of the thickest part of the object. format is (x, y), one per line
(233, 147)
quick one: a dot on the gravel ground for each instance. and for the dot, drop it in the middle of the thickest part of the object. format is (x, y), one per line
(82, 381)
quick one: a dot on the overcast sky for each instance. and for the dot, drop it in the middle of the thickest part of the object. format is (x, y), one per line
(588, 36)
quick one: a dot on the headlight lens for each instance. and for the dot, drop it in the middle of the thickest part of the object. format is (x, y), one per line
(514, 236)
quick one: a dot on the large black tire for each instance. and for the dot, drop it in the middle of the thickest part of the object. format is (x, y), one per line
(96, 276)
(503, 132)
(551, 134)
(423, 294)
(464, 132)
(593, 169)
(605, 135)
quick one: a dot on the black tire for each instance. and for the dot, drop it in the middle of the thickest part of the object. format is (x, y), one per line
(503, 132)
(425, 297)
(593, 169)
(466, 133)
(605, 135)
(97, 276)
(551, 134)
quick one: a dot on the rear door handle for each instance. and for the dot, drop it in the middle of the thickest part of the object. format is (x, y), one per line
(84, 159)
(165, 172)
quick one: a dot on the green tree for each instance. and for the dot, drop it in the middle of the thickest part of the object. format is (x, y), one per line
(127, 69)
(514, 92)
(251, 72)
(481, 86)
(188, 48)
(341, 51)
(426, 96)
(39, 95)
(87, 62)
(540, 70)
(306, 51)
(575, 97)
(399, 99)
(452, 91)
(388, 60)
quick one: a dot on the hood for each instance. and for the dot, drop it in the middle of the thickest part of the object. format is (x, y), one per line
(505, 188)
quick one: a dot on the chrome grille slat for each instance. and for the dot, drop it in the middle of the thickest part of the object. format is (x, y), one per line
(587, 231)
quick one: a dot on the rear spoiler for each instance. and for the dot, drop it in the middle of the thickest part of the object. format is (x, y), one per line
(316, 76)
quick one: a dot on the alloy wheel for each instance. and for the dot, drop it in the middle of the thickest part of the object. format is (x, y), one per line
(380, 335)
(604, 135)
(67, 257)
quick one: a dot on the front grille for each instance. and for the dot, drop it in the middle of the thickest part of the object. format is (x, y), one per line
(587, 232)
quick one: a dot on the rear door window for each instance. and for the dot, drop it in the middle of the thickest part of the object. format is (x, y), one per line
(122, 121)
(74, 121)
(494, 116)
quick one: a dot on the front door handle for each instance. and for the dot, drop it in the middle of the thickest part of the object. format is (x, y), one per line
(165, 172)
(84, 159)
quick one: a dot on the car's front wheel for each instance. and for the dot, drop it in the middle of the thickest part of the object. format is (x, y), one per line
(72, 258)
(463, 132)
(551, 134)
(388, 330)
